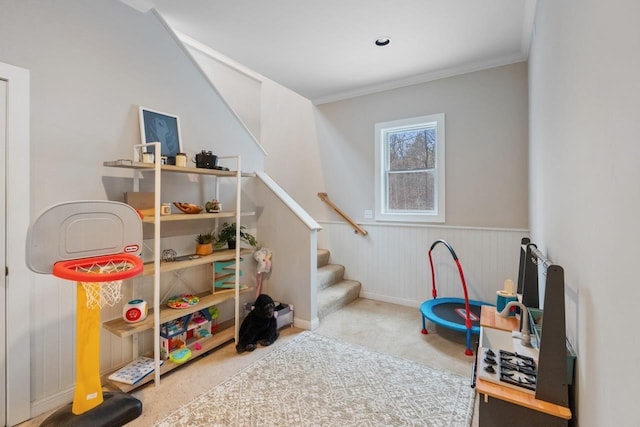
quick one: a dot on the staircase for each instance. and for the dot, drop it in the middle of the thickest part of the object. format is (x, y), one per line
(334, 291)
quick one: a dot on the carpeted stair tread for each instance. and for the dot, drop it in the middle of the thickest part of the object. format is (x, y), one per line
(323, 257)
(337, 296)
(329, 274)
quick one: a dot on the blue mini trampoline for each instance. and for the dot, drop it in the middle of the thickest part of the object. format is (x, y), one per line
(462, 315)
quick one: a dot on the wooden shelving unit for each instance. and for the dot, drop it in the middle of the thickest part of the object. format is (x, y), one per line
(159, 313)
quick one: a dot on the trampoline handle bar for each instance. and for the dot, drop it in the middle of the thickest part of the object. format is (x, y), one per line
(434, 291)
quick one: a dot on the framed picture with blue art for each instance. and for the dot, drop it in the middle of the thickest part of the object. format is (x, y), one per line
(160, 127)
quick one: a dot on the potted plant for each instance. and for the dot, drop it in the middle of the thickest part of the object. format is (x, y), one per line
(228, 235)
(213, 206)
(205, 243)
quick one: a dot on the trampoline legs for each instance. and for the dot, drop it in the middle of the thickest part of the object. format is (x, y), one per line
(468, 350)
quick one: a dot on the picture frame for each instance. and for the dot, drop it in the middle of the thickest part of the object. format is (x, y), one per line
(156, 126)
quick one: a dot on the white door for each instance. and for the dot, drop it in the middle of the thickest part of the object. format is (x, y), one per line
(15, 353)
(3, 264)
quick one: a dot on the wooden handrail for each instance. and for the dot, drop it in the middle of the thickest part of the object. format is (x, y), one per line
(325, 198)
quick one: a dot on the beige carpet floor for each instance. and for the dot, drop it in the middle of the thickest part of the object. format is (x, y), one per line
(383, 327)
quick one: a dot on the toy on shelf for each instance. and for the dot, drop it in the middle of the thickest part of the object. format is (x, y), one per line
(187, 331)
(134, 371)
(135, 311)
(224, 274)
(180, 356)
(182, 301)
(213, 206)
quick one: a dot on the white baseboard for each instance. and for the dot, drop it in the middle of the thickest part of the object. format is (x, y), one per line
(51, 403)
(305, 324)
(391, 300)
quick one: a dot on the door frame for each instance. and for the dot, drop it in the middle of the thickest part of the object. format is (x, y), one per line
(18, 283)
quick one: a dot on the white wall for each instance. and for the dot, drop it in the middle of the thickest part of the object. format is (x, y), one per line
(486, 145)
(290, 137)
(91, 65)
(584, 90)
(293, 240)
(392, 261)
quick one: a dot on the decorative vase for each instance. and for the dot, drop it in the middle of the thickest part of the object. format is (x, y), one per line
(204, 249)
(231, 244)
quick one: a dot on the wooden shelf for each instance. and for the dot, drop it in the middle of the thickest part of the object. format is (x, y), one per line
(216, 340)
(123, 329)
(170, 168)
(217, 255)
(521, 398)
(151, 219)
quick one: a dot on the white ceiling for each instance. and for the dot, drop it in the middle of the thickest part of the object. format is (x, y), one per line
(325, 50)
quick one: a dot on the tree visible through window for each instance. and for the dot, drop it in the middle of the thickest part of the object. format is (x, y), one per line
(410, 165)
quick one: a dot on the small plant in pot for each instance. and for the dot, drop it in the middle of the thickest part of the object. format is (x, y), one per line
(205, 243)
(228, 235)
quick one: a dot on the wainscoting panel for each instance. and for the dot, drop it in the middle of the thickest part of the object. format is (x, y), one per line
(393, 265)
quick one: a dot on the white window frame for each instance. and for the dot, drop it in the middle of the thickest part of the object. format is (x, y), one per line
(437, 215)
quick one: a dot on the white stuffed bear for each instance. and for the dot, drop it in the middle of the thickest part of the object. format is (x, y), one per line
(263, 257)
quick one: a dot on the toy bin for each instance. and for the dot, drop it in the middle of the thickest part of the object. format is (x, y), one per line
(284, 313)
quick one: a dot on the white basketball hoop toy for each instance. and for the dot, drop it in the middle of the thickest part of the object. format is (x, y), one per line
(96, 244)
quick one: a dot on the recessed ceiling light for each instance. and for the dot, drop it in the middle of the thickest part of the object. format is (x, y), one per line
(383, 41)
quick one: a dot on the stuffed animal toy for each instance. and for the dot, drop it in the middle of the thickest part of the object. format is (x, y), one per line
(263, 257)
(259, 327)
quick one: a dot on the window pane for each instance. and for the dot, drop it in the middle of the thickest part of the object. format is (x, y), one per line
(412, 149)
(410, 169)
(411, 191)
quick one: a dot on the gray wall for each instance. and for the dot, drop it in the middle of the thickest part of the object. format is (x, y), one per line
(584, 67)
(486, 145)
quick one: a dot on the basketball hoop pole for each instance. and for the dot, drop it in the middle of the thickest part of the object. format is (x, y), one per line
(88, 391)
(98, 282)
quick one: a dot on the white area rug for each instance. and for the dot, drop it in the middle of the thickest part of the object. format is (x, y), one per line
(318, 381)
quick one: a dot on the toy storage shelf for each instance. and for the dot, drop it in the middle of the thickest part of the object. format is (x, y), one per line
(159, 313)
(123, 329)
(216, 340)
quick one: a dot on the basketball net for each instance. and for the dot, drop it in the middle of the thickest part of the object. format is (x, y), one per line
(108, 293)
